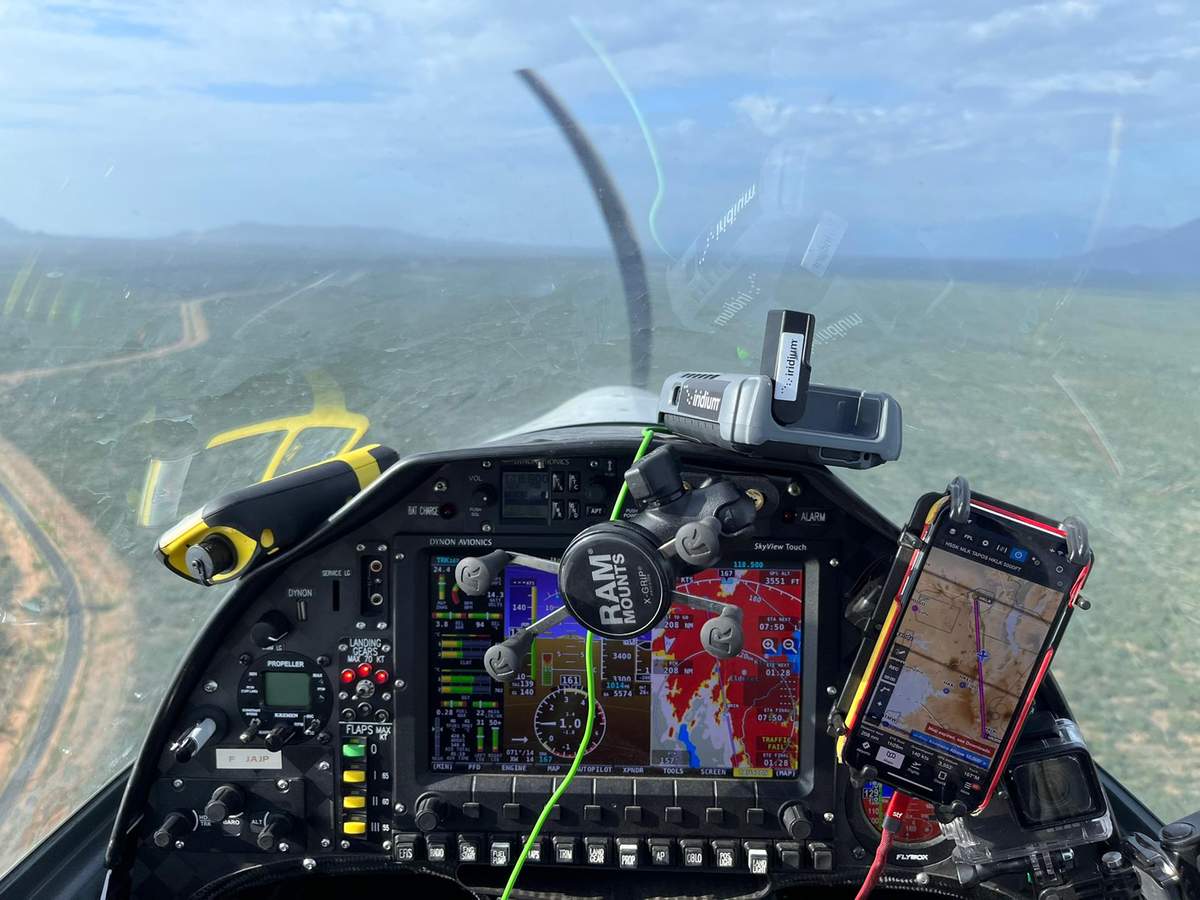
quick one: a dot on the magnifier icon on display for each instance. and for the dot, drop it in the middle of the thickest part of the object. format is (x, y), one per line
(789, 645)
(768, 645)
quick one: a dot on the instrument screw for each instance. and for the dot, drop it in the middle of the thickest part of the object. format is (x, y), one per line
(385, 648)
(385, 697)
(177, 784)
(440, 486)
(345, 845)
(309, 863)
(282, 784)
(284, 846)
(323, 660)
(361, 626)
(325, 843)
(323, 765)
(858, 852)
(387, 845)
(400, 807)
(342, 648)
(210, 687)
(382, 548)
(399, 557)
(487, 464)
(245, 659)
(833, 563)
(360, 547)
(179, 845)
(828, 817)
(486, 527)
(399, 684)
(380, 626)
(922, 878)
(831, 690)
(324, 737)
(794, 488)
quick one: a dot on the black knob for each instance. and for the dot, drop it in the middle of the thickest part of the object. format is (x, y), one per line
(484, 495)
(597, 491)
(213, 556)
(796, 821)
(280, 736)
(251, 730)
(276, 825)
(226, 801)
(272, 628)
(173, 827)
(431, 810)
(655, 478)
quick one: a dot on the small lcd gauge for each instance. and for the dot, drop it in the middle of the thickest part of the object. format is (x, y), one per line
(525, 495)
(285, 688)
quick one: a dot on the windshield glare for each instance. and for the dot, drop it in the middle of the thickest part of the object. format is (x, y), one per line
(236, 239)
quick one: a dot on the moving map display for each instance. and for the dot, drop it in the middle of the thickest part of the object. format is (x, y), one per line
(663, 704)
(964, 650)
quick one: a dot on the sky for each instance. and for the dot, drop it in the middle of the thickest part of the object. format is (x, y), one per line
(1069, 119)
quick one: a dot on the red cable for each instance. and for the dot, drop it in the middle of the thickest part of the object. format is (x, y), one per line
(896, 809)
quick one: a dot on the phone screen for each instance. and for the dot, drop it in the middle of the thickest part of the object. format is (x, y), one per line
(970, 638)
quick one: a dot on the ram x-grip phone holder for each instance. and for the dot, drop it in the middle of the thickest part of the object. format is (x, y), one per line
(958, 496)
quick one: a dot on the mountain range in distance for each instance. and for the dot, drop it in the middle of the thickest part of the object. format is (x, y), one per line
(1136, 251)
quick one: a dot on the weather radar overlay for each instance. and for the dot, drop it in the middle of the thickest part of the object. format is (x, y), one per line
(963, 652)
(738, 715)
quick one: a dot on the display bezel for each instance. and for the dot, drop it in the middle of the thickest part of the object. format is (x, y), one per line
(799, 784)
(758, 560)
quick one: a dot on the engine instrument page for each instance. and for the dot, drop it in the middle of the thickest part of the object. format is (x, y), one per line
(664, 705)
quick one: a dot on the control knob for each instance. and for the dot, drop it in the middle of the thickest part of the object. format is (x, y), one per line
(276, 825)
(796, 821)
(227, 800)
(173, 828)
(213, 556)
(430, 812)
(272, 628)
(280, 736)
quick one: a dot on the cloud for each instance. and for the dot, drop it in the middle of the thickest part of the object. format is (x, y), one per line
(770, 115)
(1061, 14)
(408, 115)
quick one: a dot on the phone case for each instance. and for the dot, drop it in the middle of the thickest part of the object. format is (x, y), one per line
(878, 632)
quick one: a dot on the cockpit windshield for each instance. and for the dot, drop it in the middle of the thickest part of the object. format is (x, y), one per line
(237, 239)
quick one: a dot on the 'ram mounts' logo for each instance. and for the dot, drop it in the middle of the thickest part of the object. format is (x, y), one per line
(610, 581)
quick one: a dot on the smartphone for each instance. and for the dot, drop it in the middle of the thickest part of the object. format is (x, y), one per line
(967, 640)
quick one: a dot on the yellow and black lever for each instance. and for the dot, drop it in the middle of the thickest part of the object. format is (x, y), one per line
(226, 537)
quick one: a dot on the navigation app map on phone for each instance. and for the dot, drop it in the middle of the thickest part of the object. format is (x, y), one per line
(964, 650)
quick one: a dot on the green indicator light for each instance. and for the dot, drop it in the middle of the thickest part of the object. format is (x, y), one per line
(354, 751)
